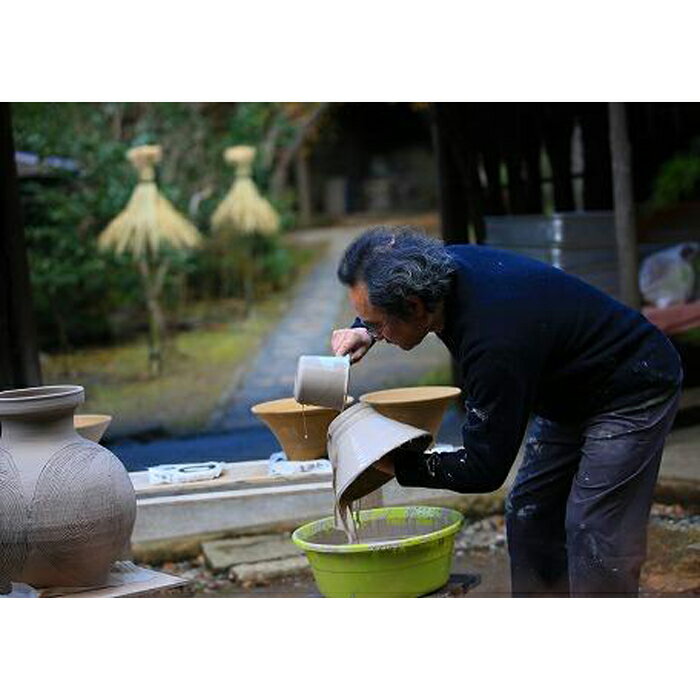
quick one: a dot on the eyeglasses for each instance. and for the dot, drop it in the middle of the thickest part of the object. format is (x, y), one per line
(374, 329)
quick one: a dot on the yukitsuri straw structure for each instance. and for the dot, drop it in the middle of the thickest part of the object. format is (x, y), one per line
(243, 212)
(148, 225)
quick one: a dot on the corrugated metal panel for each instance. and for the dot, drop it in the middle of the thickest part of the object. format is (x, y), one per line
(581, 243)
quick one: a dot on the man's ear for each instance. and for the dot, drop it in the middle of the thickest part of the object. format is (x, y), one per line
(417, 305)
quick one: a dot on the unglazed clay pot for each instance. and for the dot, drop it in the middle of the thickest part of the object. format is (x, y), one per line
(357, 439)
(322, 381)
(67, 506)
(420, 406)
(300, 432)
(91, 426)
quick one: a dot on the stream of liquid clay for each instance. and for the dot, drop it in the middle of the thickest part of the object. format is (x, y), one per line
(303, 418)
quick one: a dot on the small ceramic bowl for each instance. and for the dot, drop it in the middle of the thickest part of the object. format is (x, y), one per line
(300, 431)
(91, 426)
(322, 381)
(420, 406)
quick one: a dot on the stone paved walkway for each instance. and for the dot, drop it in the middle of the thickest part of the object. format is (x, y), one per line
(320, 305)
(304, 330)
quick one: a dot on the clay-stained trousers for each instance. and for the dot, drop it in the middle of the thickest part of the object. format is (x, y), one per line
(577, 514)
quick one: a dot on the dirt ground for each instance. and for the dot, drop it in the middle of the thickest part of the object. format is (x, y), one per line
(672, 568)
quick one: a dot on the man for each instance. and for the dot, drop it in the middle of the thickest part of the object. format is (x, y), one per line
(600, 382)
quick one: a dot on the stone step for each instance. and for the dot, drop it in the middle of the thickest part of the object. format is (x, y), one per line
(224, 554)
(266, 570)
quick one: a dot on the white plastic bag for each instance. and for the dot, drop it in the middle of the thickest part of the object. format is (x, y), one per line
(668, 277)
(184, 473)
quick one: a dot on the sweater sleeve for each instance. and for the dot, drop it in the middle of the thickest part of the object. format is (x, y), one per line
(499, 392)
(357, 323)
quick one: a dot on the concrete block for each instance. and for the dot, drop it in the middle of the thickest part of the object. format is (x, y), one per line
(266, 570)
(223, 554)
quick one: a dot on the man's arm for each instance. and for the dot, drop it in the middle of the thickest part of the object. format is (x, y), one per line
(500, 396)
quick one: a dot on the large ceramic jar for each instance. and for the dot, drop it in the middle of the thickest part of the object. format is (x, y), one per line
(67, 505)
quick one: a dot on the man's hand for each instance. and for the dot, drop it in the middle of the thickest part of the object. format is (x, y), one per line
(385, 465)
(351, 341)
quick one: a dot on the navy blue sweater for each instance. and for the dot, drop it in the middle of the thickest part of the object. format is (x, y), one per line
(530, 338)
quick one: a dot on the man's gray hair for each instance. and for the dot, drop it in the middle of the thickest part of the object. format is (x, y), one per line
(396, 263)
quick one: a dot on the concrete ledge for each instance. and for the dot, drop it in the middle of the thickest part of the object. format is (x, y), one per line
(172, 521)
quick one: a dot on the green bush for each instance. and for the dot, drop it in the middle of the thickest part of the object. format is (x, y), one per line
(678, 179)
(82, 296)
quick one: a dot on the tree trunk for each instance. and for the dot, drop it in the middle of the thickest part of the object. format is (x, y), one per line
(19, 353)
(156, 324)
(625, 230)
(247, 268)
(303, 187)
(156, 319)
(281, 171)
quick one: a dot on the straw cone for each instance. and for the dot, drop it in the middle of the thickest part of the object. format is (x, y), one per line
(244, 211)
(149, 221)
(147, 225)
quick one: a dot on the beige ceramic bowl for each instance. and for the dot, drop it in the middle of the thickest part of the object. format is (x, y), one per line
(358, 438)
(284, 417)
(91, 426)
(420, 406)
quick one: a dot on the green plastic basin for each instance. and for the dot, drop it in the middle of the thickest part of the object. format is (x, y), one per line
(403, 552)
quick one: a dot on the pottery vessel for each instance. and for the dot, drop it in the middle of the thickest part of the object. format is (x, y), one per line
(357, 439)
(300, 431)
(322, 381)
(420, 406)
(91, 426)
(67, 505)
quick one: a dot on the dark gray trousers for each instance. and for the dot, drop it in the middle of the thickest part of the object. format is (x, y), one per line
(577, 514)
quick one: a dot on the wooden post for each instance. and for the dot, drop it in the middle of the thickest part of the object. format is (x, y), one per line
(454, 206)
(491, 149)
(597, 184)
(19, 354)
(558, 128)
(493, 200)
(531, 146)
(513, 157)
(454, 211)
(625, 231)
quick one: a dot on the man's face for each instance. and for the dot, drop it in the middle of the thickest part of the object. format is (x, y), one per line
(405, 334)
